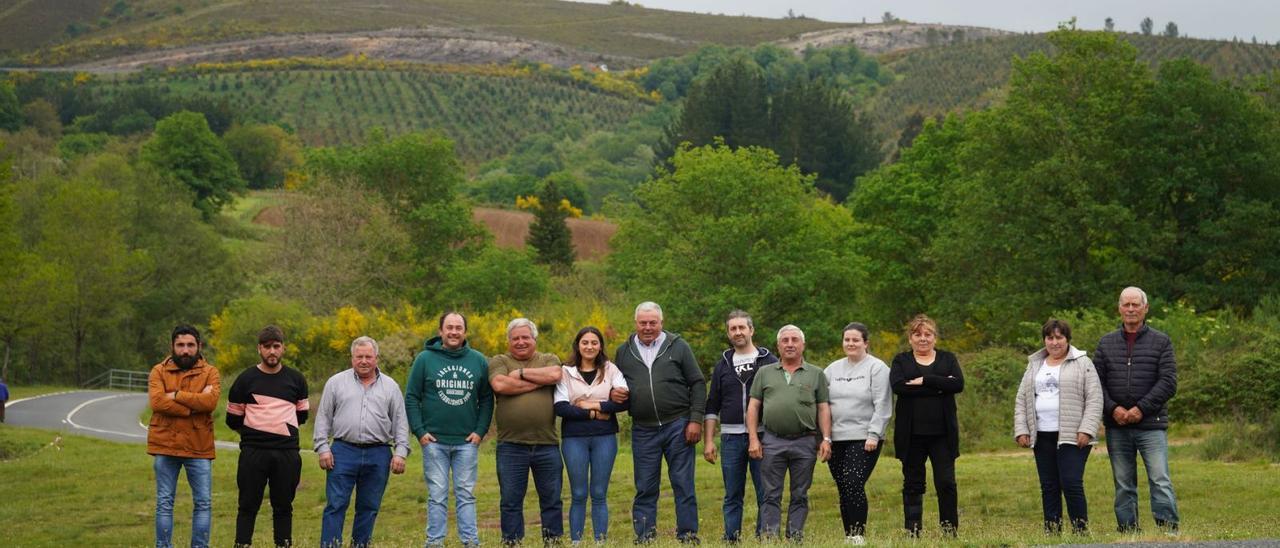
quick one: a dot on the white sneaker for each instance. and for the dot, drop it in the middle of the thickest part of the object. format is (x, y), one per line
(855, 540)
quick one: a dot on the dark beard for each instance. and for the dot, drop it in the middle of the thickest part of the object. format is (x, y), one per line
(186, 362)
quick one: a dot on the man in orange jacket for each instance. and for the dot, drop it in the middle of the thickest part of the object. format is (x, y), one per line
(184, 391)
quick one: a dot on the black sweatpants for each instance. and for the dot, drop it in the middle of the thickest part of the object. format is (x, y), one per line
(281, 469)
(935, 449)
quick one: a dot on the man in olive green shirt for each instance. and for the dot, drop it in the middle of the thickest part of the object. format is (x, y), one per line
(793, 396)
(524, 381)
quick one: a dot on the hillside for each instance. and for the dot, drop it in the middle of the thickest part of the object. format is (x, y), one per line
(484, 110)
(969, 75)
(70, 31)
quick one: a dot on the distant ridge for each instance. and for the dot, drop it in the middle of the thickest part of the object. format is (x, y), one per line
(878, 39)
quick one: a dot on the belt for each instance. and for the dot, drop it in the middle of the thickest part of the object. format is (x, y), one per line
(802, 435)
(364, 445)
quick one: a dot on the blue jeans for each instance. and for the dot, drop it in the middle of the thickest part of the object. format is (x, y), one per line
(438, 462)
(200, 478)
(364, 469)
(649, 446)
(589, 461)
(1123, 444)
(515, 460)
(734, 466)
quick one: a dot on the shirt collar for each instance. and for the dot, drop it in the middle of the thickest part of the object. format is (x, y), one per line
(662, 337)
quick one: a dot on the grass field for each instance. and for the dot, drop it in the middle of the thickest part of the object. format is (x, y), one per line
(87, 492)
(18, 392)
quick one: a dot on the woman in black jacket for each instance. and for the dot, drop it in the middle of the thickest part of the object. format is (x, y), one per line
(926, 381)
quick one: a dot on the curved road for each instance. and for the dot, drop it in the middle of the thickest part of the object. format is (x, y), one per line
(99, 413)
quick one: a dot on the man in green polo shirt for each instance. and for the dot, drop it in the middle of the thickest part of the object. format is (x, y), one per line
(525, 383)
(793, 395)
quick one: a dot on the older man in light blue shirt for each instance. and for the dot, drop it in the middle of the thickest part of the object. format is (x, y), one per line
(363, 411)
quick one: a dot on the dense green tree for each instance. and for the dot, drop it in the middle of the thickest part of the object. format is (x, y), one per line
(264, 153)
(43, 116)
(809, 123)
(731, 228)
(1147, 26)
(190, 273)
(419, 176)
(814, 126)
(493, 277)
(185, 149)
(548, 234)
(856, 74)
(81, 236)
(731, 104)
(1170, 30)
(27, 282)
(342, 246)
(10, 109)
(1094, 174)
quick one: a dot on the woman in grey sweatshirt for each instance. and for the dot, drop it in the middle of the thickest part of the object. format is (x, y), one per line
(1056, 413)
(861, 403)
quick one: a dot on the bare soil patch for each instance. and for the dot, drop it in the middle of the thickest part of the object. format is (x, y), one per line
(511, 228)
(271, 216)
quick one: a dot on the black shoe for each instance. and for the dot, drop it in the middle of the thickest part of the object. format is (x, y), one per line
(950, 530)
(1080, 527)
(913, 528)
(690, 539)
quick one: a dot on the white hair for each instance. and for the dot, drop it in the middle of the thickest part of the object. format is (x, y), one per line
(649, 306)
(1141, 293)
(364, 341)
(790, 327)
(522, 322)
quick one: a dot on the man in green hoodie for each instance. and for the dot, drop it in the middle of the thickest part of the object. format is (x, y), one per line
(449, 404)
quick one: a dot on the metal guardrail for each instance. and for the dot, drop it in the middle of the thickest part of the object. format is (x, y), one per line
(119, 379)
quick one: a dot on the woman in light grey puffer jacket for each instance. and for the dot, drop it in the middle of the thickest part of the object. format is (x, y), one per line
(1057, 413)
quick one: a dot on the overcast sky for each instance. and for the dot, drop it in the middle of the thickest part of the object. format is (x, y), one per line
(1198, 18)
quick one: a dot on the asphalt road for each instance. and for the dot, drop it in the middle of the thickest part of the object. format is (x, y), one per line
(98, 413)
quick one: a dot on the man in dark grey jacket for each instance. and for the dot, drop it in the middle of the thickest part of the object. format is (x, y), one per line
(1139, 375)
(668, 397)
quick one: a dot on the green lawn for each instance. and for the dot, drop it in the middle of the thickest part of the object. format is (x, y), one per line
(23, 391)
(102, 494)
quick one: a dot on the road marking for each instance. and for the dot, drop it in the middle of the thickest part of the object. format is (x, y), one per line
(223, 444)
(11, 402)
(77, 409)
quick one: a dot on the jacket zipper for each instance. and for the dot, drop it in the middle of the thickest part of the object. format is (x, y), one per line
(1128, 378)
(652, 395)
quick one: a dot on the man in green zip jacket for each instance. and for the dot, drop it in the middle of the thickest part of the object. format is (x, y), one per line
(449, 404)
(668, 396)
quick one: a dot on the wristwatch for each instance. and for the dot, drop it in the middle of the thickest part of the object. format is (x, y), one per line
(826, 439)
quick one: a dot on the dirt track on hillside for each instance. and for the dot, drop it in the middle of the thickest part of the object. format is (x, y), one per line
(424, 45)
